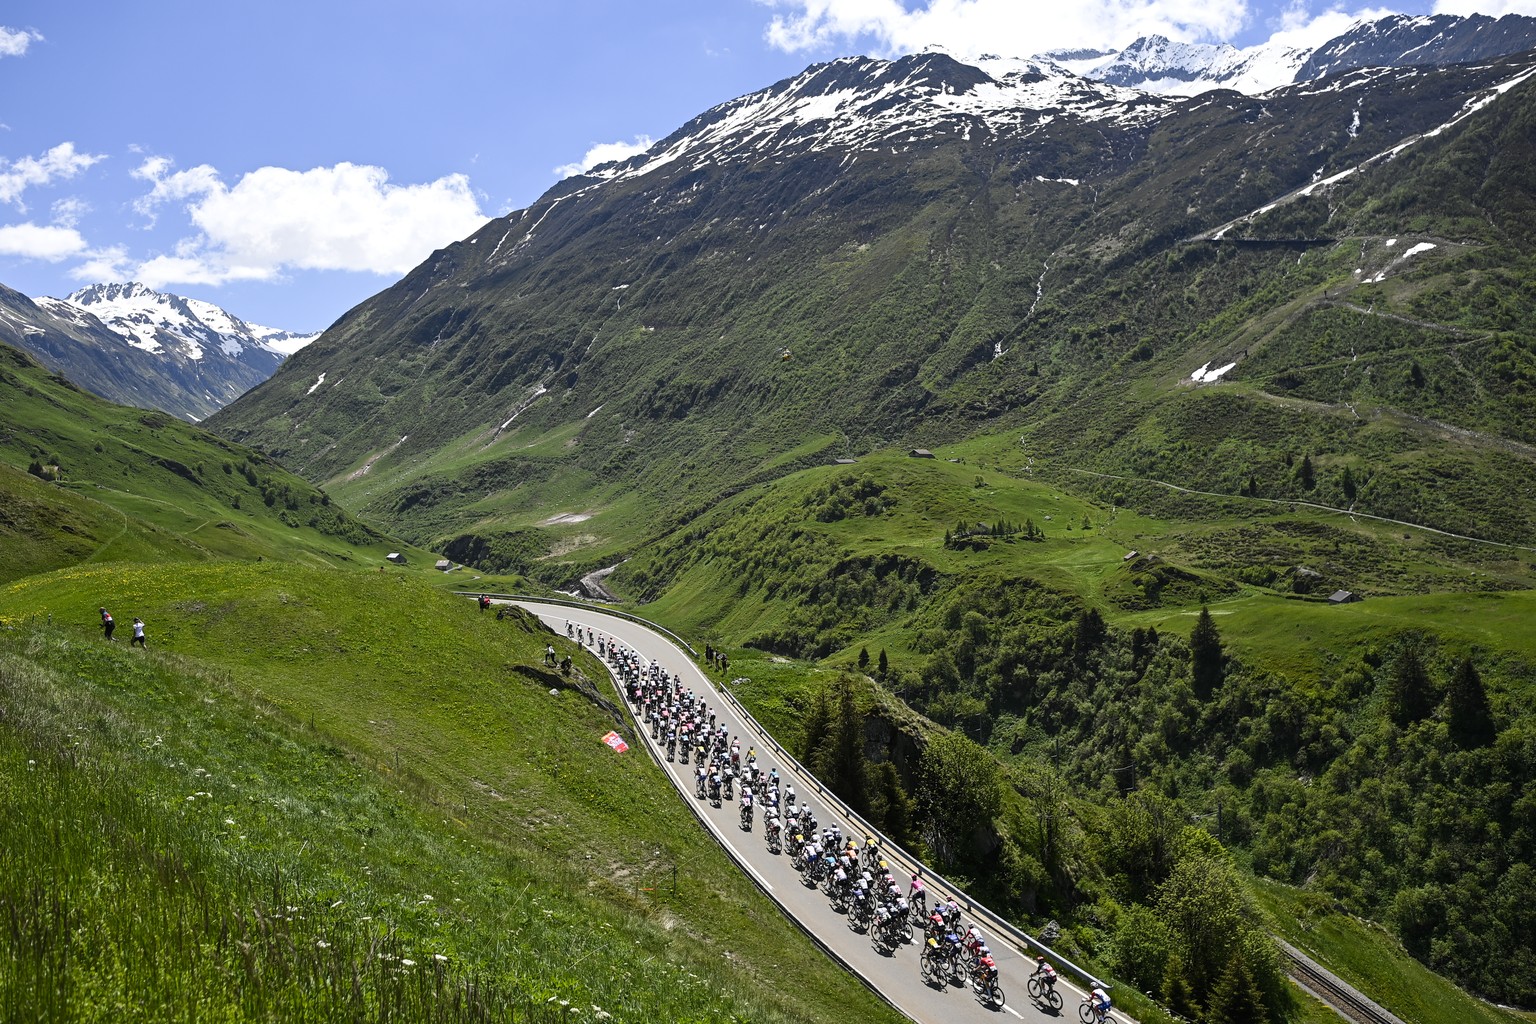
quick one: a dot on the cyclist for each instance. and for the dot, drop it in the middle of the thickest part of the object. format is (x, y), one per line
(917, 894)
(986, 970)
(1046, 971)
(974, 942)
(1098, 999)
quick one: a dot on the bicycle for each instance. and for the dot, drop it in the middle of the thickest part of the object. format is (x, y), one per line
(930, 964)
(987, 988)
(1088, 1015)
(1042, 991)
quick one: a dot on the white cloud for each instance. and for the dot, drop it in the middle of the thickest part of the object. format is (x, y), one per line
(1298, 27)
(41, 242)
(970, 28)
(346, 217)
(58, 163)
(172, 185)
(1492, 8)
(606, 152)
(14, 41)
(110, 264)
(68, 211)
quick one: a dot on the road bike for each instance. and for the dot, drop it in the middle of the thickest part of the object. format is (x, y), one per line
(1044, 992)
(1088, 1015)
(987, 988)
(931, 964)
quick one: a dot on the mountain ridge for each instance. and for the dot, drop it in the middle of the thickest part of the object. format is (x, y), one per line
(703, 298)
(137, 346)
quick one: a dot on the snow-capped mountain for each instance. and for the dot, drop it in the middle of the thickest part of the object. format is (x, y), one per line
(860, 103)
(1160, 65)
(137, 346)
(1401, 41)
(176, 327)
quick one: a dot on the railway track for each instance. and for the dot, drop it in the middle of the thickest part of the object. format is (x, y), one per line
(1344, 1000)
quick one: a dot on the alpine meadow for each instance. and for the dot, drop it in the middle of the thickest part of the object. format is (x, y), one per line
(1125, 502)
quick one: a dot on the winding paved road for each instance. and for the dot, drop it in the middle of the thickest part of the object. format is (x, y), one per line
(895, 975)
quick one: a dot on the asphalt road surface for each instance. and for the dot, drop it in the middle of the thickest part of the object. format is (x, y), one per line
(894, 975)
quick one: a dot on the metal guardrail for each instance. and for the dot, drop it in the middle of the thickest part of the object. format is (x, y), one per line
(889, 849)
(588, 606)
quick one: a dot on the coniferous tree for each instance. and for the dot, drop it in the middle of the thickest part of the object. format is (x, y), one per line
(882, 665)
(1237, 999)
(1205, 656)
(1178, 995)
(1089, 634)
(889, 805)
(818, 725)
(1347, 483)
(863, 658)
(1305, 473)
(1410, 692)
(847, 770)
(1470, 716)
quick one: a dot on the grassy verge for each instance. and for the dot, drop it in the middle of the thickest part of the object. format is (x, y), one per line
(326, 795)
(1369, 958)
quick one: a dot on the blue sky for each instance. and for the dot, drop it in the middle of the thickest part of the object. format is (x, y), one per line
(286, 160)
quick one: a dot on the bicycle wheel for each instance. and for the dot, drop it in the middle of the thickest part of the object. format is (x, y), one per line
(1054, 999)
(1033, 988)
(1085, 1012)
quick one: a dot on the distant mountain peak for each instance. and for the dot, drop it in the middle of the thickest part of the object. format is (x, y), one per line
(129, 343)
(1158, 64)
(162, 323)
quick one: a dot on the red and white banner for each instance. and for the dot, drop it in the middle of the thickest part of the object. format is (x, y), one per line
(615, 741)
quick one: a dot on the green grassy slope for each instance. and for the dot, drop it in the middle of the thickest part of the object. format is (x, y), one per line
(130, 485)
(321, 792)
(664, 343)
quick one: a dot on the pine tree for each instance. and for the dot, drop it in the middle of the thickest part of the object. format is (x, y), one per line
(1410, 692)
(1089, 633)
(1347, 483)
(818, 725)
(863, 658)
(1305, 473)
(889, 806)
(847, 769)
(882, 665)
(1178, 995)
(1205, 656)
(1470, 717)
(1237, 999)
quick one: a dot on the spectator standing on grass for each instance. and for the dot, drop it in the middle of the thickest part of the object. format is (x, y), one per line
(107, 625)
(138, 635)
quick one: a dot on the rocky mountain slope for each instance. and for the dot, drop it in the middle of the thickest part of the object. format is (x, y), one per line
(910, 251)
(1160, 65)
(137, 346)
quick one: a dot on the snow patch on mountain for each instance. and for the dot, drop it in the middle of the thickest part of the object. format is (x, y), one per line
(171, 325)
(860, 104)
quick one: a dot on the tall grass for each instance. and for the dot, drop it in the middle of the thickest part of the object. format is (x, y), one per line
(174, 848)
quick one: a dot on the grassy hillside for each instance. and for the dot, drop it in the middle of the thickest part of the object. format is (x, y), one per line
(1059, 634)
(323, 794)
(110, 483)
(550, 401)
